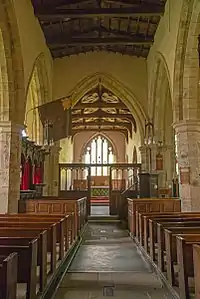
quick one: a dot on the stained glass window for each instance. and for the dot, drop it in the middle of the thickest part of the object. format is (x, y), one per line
(99, 151)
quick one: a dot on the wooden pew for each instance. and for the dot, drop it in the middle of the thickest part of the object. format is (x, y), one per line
(150, 205)
(27, 264)
(150, 226)
(156, 231)
(43, 224)
(196, 259)
(171, 247)
(8, 276)
(51, 235)
(185, 261)
(69, 222)
(22, 237)
(56, 205)
(142, 219)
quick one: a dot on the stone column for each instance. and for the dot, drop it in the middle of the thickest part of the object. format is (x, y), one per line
(188, 154)
(10, 160)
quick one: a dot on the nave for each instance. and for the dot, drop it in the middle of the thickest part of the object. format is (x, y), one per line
(108, 263)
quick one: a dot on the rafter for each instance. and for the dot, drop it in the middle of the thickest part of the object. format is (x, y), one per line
(99, 42)
(103, 114)
(101, 123)
(100, 30)
(138, 10)
(100, 105)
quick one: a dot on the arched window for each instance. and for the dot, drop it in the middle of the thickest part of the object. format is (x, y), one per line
(99, 151)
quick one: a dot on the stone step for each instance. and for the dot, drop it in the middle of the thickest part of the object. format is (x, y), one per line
(103, 219)
(114, 279)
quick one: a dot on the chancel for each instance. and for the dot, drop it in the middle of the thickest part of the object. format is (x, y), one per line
(99, 147)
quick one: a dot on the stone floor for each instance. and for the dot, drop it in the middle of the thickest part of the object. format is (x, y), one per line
(108, 264)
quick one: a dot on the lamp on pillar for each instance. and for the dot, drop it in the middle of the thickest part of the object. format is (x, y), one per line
(48, 140)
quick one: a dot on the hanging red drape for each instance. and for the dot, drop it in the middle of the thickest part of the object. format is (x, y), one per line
(25, 184)
(37, 175)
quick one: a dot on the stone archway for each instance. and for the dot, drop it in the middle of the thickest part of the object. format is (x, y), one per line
(187, 105)
(162, 118)
(38, 93)
(12, 107)
(12, 93)
(121, 91)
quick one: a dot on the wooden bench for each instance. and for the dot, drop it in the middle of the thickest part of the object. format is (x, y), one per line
(150, 205)
(156, 230)
(196, 259)
(27, 263)
(150, 225)
(8, 276)
(20, 232)
(185, 262)
(171, 247)
(53, 205)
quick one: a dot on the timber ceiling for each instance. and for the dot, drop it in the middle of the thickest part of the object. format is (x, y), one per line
(98, 110)
(78, 26)
(101, 110)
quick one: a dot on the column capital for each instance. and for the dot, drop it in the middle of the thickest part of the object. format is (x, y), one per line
(187, 125)
(8, 126)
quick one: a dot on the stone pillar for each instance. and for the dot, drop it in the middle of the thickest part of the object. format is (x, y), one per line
(51, 172)
(10, 160)
(188, 155)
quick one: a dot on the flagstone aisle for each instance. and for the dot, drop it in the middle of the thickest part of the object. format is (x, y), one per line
(108, 264)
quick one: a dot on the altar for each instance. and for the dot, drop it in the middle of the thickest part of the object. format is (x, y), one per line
(99, 191)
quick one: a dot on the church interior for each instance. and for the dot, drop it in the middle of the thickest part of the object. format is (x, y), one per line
(100, 149)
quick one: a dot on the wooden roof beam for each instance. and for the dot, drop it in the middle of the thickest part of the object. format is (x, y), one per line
(138, 10)
(99, 105)
(100, 123)
(73, 42)
(103, 115)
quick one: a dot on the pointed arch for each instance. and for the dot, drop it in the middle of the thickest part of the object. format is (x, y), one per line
(12, 96)
(121, 91)
(96, 134)
(37, 94)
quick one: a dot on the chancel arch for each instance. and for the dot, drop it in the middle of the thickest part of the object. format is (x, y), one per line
(117, 88)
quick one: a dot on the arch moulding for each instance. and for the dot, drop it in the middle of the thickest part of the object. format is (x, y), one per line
(121, 91)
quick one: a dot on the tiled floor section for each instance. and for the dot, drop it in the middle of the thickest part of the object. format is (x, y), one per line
(108, 264)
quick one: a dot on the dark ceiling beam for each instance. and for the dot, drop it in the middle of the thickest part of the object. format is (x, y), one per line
(103, 114)
(46, 24)
(139, 10)
(99, 30)
(59, 53)
(99, 105)
(99, 42)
